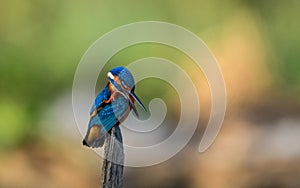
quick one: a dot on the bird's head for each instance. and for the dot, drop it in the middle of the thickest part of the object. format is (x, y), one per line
(122, 82)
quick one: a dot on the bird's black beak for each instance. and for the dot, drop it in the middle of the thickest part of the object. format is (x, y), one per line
(132, 94)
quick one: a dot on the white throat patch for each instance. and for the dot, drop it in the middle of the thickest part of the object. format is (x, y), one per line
(110, 75)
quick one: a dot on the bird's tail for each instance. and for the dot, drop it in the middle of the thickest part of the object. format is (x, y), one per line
(94, 138)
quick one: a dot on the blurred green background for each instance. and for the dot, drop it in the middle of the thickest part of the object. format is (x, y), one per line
(257, 44)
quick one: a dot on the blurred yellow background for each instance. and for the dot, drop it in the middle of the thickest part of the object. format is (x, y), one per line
(256, 43)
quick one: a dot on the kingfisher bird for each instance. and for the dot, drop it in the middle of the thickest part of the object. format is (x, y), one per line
(111, 106)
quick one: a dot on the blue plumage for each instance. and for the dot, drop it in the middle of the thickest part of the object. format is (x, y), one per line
(111, 106)
(103, 95)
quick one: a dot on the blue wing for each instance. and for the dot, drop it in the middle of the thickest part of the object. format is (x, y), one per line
(111, 114)
(103, 118)
(103, 95)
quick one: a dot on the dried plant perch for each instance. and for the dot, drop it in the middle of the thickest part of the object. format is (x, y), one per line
(112, 169)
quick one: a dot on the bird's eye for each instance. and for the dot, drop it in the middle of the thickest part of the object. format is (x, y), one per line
(110, 75)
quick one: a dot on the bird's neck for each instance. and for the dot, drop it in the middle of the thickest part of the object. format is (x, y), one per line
(111, 88)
